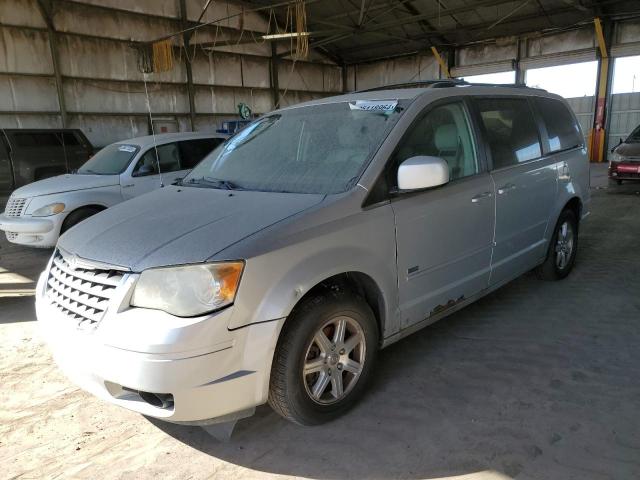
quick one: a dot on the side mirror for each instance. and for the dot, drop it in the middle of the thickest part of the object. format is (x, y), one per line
(143, 171)
(418, 173)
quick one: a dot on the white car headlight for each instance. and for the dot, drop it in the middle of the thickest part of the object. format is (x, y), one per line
(616, 157)
(189, 290)
(49, 210)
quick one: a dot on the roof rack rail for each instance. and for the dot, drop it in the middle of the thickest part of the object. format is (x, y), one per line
(445, 83)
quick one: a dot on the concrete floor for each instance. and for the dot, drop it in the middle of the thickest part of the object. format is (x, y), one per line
(536, 381)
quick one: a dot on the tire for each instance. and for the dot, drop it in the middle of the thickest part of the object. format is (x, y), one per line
(78, 216)
(562, 248)
(293, 394)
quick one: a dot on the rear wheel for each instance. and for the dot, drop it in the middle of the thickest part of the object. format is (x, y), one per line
(77, 216)
(562, 249)
(324, 358)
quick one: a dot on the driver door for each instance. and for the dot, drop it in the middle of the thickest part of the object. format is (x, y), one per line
(444, 235)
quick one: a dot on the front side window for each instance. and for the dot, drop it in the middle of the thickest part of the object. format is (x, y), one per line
(111, 160)
(562, 129)
(315, 149)
(510, 130)
(443, 132)
(167, 160)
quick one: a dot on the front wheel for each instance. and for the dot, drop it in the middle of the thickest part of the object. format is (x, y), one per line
(562, 249)
(324, 358)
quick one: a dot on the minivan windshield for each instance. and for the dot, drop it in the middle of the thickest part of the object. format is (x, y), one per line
(316, 149)
(634, 137)
(111, 160)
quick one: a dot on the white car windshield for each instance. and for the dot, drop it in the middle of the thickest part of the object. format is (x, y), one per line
(317, 149)
(111, 160)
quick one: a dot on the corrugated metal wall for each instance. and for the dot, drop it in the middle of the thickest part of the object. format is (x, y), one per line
(584, 108)
(625, 116)
(103, 88)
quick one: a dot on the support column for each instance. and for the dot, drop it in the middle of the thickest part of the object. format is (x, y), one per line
(521, 47)
(275, 87)
(597, 136)
(46, 10)
(186, 37)
(443, 66)
(345, 82)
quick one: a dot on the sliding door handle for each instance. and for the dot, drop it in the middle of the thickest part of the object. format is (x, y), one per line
(506, 188)
(481, 196)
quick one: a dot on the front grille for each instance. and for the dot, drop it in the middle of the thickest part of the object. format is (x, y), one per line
(11, 236)
(15, 206)
(82, 294)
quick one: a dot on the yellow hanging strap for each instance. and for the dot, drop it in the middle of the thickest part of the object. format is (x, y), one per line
(162, 56)
(302, 37)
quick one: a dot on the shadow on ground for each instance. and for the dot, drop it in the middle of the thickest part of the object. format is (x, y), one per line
(533, 381)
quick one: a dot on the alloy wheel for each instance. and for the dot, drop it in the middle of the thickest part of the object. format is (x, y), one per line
(334, 360)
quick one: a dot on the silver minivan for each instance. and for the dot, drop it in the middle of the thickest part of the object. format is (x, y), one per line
(302, 245)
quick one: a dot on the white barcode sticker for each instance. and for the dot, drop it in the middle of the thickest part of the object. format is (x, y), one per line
(127, 148)
(385, 106)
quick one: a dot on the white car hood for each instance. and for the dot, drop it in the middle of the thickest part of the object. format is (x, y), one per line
(66, 183)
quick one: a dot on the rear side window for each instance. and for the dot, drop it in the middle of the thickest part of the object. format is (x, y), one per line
(510, 130)
(35, 139)
(69, 139)
(562, 129)
(192, 151)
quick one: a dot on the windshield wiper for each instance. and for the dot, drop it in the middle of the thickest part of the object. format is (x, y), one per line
(215, 183)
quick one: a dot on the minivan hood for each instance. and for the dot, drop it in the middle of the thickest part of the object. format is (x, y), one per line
(66, 183)
(631, 150)
(178, 225)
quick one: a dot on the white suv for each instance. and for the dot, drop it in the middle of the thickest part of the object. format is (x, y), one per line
(38, 213)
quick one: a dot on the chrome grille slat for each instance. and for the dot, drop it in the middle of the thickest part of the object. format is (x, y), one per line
(106, 277)
(83, 286)
(14, 207)
(83, 311)
(81, 294)
(82, 298)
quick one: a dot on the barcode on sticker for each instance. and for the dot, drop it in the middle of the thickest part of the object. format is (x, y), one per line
(374, 105)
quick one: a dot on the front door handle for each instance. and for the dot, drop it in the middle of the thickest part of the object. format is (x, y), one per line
(129, 185)
(480, 196)
(506, 188)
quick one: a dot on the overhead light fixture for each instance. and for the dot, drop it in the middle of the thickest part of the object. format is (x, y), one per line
(277, 36)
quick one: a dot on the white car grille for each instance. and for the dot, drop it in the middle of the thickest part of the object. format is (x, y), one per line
(15, 206)
(82, 294)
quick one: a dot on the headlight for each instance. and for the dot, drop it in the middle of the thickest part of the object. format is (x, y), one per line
(48, 210)
(616, 157)
(190, 290)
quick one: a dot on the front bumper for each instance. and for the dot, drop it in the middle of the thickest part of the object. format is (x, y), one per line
(208, 371)
(625, 171)
(31, 231)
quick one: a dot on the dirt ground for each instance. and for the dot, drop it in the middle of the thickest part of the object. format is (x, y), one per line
(536, 381)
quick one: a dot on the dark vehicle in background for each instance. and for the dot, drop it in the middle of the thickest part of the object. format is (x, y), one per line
(27, 155)
(624, 163)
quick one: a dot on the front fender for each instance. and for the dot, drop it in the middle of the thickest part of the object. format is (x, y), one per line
(273, 283)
